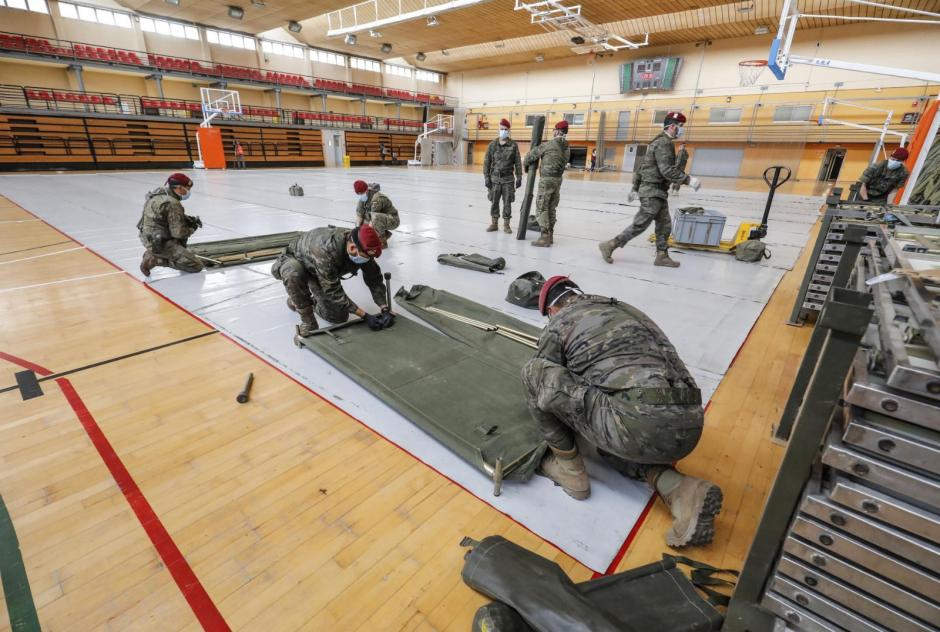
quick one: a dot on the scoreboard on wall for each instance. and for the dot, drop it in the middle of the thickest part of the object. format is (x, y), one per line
(643, 75)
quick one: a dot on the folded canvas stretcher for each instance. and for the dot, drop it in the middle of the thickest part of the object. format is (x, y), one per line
(460, 384)
(230, 252)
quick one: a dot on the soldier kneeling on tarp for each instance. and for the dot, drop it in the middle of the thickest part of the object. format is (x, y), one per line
(376, 208)
(313, 267)
(164, 227)
(605, 371)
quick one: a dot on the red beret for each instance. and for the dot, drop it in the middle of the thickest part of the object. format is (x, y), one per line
(367, 241)
(360, 186)
(676, 116)
(179, 180)
(900, 154)
(547, 288)
(562, 125)
(505, 123)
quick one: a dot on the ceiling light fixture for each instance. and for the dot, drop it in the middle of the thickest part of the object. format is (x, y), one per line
(386, 47)
(350, 39)
(761, 30)
(175, 3)
(540, 57)
(373, 33)
(294, 26)
(258, 3)
(432, 20)
(421, 56)
(236, 13)
(500, 44)
(445, 52)
(744, 7)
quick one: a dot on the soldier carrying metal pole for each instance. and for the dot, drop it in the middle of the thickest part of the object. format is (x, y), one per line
(552, 157)
(605, 371)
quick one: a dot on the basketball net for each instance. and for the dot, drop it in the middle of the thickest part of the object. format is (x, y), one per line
(749, 70)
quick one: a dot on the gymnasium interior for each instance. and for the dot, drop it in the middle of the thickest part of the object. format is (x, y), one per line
(185, 450)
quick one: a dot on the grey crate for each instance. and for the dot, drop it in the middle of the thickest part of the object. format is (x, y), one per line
(700, 230)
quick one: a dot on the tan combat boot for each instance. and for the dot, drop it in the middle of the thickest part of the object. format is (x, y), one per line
(308, 322)
(694, 503)
(147, 263)
(566, 468)
(544, 241)
(494, 225)
(607, 249)
(506, 227)
(663, 260)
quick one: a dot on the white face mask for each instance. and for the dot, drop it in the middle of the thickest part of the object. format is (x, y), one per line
(893, 164)
(679, 131)
(504, 133)
(364, 197)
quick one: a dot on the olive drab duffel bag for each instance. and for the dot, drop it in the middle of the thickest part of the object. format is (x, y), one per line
(751, 251)
(524, 291)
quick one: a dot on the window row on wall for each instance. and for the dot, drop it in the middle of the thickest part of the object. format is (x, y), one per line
(170, 28)
(782, 114)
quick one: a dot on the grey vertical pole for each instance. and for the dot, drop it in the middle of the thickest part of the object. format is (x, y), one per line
(77, 69)
(277, 97)
(538, 126)
(601, 141)
(854, 239)
(844, 318)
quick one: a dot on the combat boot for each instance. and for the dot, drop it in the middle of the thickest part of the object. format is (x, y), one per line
(694, 503)
(607, 249)
(147, 263)
(494, 225)
(663, 260)
(506, 227)
(308, 322)
(544, 241)
(566, 468)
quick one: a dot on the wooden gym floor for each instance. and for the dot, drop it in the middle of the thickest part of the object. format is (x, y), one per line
(144, 497)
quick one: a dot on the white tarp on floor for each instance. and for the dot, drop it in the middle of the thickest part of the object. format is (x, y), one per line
(706, 307)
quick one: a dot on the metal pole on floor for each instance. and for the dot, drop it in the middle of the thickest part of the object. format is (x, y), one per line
(538, 126)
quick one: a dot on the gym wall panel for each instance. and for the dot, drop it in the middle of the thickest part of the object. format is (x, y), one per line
(713, 161)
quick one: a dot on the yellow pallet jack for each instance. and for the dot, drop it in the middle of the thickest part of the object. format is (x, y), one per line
(746, 230)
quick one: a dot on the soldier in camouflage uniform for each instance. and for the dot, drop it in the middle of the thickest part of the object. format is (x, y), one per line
(376, 208)
(502, 160)
(605, 371)
(555, 156)
(164, 227)
(882, 179)
(313, 266)
(658, 170)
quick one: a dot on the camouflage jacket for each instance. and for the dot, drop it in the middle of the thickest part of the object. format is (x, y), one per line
(682, 158)
(378, 202)
(322, 251)
(554, 154)
(502, 162)
(880, 181)
(659, 168)
(164, 217)
(612, 345)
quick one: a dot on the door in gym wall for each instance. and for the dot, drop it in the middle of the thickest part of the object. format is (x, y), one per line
(831, 164)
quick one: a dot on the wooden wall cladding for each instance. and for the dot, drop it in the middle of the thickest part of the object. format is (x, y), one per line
(366, 147)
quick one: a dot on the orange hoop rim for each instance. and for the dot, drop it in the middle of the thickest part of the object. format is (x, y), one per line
(753, 62)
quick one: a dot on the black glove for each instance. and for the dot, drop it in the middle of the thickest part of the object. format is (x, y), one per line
(488, 183)
(518, 182)
(193, 221)
(380, 321)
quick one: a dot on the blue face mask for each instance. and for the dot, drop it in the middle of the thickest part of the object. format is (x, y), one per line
(186, 197)
(893, 164)
(358, 260)
(504, 133)
(364, 197)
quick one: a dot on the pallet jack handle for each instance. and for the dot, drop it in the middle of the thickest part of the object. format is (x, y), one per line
(774, 183)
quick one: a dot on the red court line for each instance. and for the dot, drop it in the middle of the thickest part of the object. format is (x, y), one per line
(623, 547)
(626, 543)
(197, 597)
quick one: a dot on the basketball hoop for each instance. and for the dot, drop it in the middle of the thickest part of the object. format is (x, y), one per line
(749, 70)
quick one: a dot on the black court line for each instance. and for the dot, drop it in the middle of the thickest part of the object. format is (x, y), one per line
(58, 243)
(115, 359)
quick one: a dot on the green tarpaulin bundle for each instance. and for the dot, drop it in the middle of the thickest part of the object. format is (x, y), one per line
(460, 384)
(472, 262)
(533, 594)
(230, 252)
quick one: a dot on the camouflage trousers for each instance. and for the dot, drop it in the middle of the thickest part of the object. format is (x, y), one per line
(652, 209)
(303, 289)
(547, 201)
(172, 253)
(631, 435)
(506, 192)
(384, 223)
